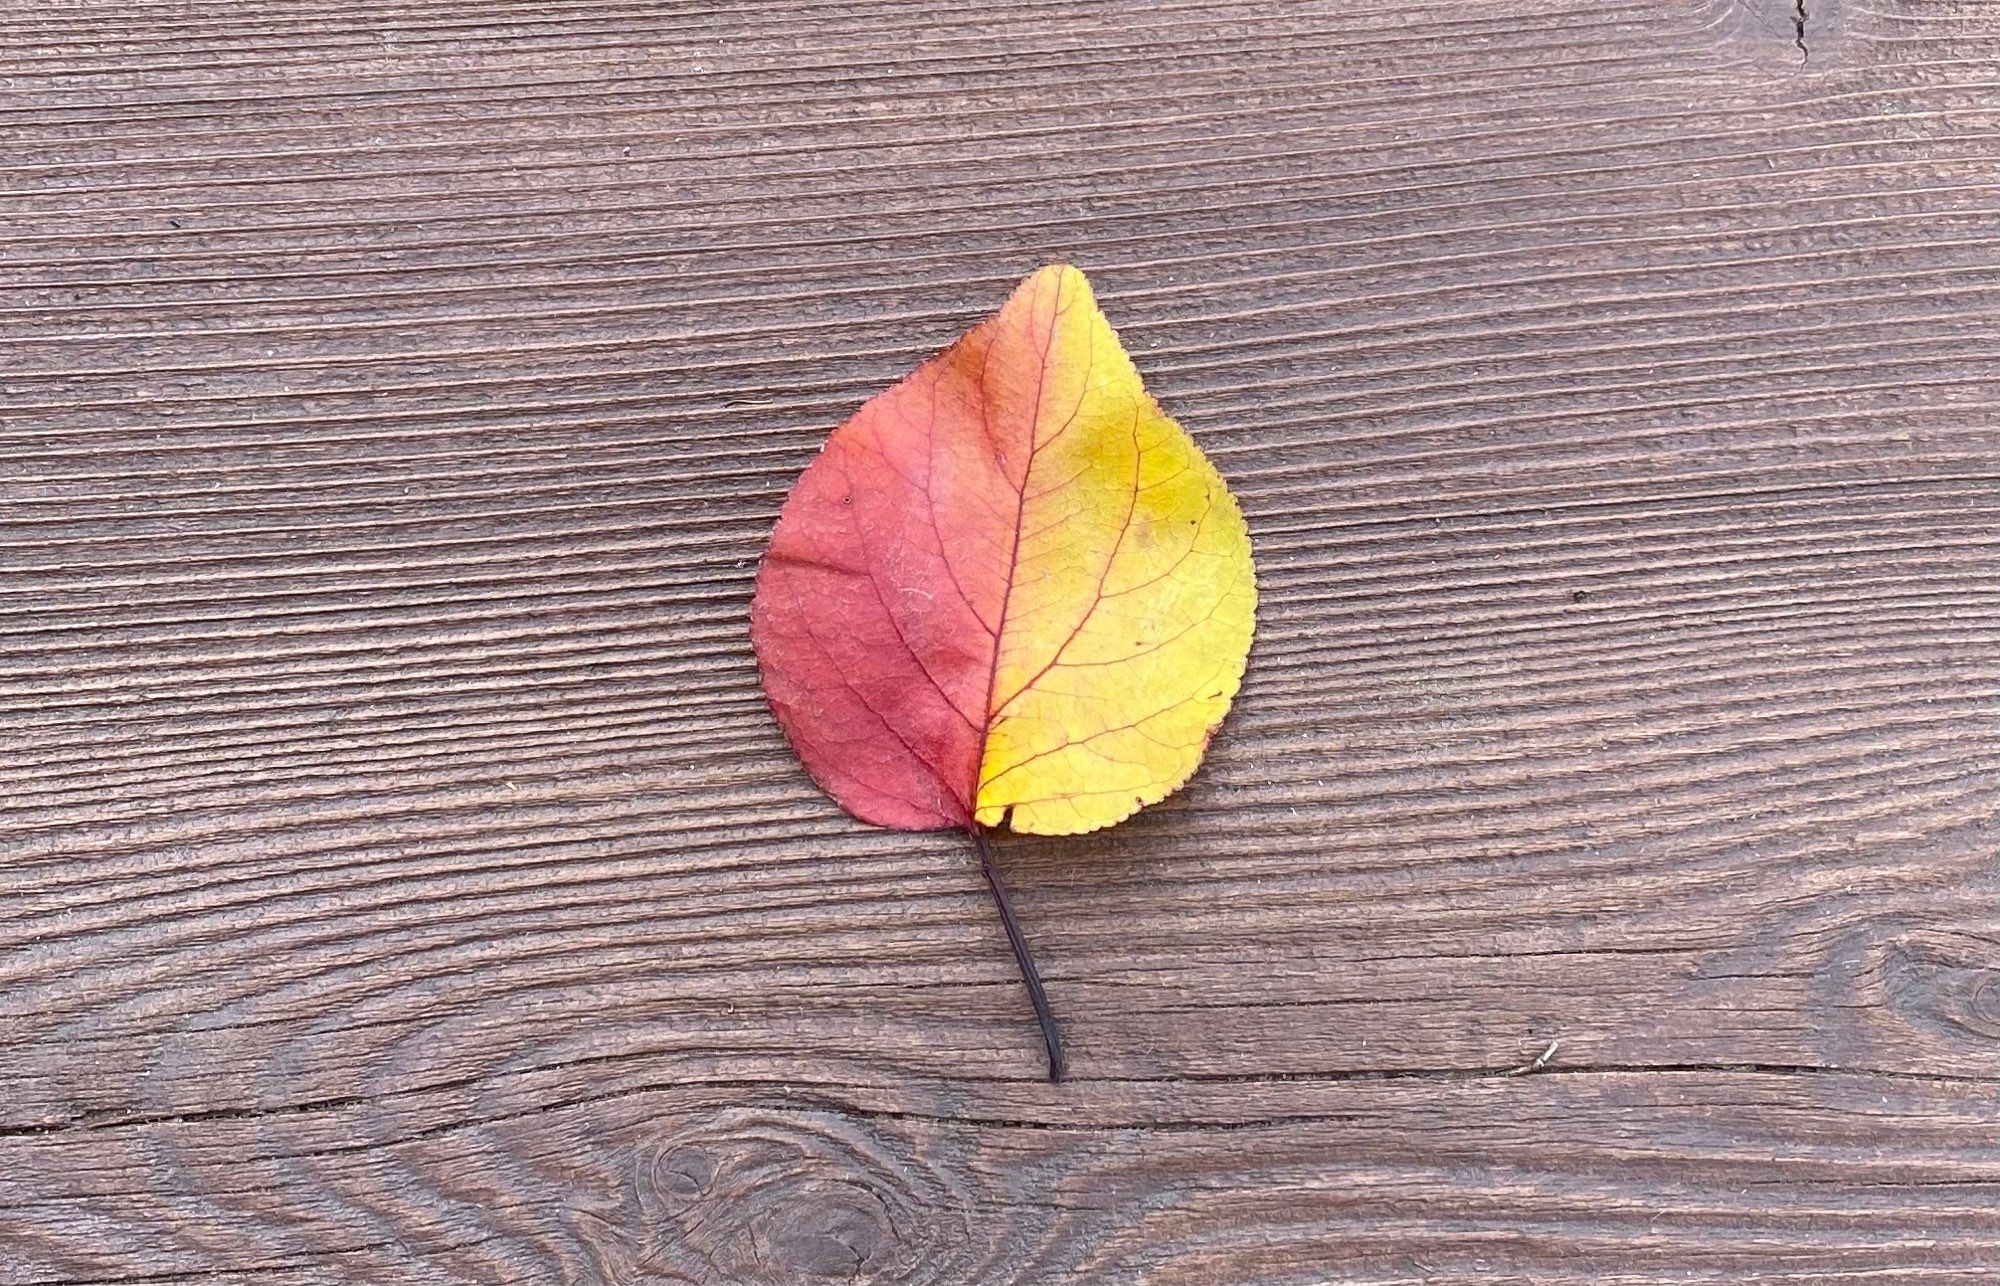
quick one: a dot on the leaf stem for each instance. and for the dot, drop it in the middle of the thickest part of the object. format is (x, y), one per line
(1051, 1034)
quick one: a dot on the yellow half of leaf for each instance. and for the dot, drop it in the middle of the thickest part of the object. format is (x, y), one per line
(1128, 616)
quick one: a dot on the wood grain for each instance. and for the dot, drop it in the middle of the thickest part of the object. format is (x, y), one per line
(405, 883)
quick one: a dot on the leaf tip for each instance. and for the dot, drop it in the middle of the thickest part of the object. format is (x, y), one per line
(1066, 277)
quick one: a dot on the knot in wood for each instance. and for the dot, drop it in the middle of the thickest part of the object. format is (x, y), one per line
(777, 1199)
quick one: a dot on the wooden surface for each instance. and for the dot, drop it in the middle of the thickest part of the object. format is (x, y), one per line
(405, 883)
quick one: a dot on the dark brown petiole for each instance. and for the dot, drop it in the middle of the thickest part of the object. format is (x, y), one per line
(1051, 1035)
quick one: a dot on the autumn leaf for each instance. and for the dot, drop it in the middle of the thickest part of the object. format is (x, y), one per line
(1010, 590)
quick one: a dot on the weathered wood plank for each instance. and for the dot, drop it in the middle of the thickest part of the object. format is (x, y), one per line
(403, 880)
(1703, 1176)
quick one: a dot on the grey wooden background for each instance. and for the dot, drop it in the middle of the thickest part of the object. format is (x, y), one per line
(404, 883)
